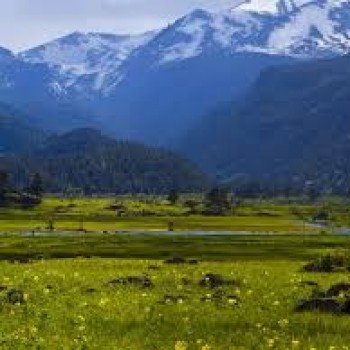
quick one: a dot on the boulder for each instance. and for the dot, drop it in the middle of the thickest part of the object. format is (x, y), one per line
(337, 289)
(140, 281)
(319, 304)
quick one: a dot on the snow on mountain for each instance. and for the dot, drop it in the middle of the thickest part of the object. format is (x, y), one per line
(128, 84)
(316, 28)
(305, 29)
(79, 55)
(202, 31)
(96, 63)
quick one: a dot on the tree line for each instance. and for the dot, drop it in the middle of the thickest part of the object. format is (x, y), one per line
(28, 196)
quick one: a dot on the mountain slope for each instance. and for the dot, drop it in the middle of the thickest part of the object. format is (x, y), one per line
(16, 133)
(186, 70)
(86, 160)
(152, 87)
(89, 58)
(294, 126)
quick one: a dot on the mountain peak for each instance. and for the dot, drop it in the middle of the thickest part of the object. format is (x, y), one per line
(199, 14)
(79, 55)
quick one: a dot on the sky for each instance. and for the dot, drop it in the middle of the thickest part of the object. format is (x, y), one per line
(27, 23)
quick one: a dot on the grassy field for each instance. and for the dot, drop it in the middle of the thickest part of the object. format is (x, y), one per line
(154, 213)
(73, 303)
(105, 290)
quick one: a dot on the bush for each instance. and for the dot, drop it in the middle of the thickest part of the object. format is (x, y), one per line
(329, 263)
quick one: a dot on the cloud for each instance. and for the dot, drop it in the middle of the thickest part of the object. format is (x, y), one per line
(25, 23)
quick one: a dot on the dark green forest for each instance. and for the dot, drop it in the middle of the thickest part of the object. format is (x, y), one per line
(86, 162)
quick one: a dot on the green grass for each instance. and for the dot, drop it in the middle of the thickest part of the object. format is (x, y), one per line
(213, 248)
(60, 312)
(194, 223)
(154, 213)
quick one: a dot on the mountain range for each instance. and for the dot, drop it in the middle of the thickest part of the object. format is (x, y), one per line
(243, 92)
(152, 87)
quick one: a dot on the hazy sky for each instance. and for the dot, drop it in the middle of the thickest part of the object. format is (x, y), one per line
(25, 23)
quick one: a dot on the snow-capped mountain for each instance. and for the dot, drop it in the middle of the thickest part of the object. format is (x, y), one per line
(304, 30)
(297, 28)
(80, 55)
(154, 85)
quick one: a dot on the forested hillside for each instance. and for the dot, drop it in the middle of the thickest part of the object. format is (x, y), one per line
(85, 161)
(293, 127)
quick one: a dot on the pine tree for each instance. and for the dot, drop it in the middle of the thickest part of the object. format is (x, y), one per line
(217, 202)
(36, 188)
(173, 197)
(3, 185)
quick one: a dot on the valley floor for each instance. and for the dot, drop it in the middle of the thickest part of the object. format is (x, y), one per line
(155, 213)
(90, 284)
(120, 294)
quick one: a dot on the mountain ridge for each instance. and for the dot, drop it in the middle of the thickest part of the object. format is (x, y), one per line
(151, 88)
(292, 127)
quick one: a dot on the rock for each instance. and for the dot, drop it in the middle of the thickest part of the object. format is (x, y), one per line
(175, 260)
(337, 289)
(314, 267)
(308, 284)
(319, 304)
(346, 307)
(212, 280)
(15, 296)
(141, 281)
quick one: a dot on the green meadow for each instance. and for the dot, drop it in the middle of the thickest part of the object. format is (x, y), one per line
(73, 294)
(92, 283)
(154, 213)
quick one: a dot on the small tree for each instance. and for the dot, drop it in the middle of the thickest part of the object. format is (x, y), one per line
(217, 202)
(311, 191)
(36, 187)
(3, 185)
(173, 197)
(192, 206)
